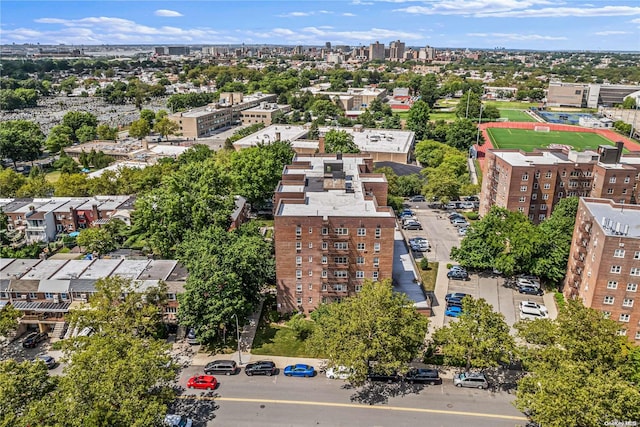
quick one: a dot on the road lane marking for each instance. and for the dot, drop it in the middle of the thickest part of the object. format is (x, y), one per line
(354, 405)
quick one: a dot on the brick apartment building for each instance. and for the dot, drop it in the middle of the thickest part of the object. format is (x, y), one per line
(604, 263)
(534, 182)
(332, 230)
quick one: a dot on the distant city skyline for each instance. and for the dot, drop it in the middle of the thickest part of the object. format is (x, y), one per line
(611, 25)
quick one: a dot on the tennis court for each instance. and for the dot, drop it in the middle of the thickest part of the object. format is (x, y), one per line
(528, 140)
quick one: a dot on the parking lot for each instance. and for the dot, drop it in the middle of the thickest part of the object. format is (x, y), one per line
(495, 289)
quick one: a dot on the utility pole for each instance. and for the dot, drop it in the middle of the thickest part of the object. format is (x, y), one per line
(479, 123)
(238, 339)
(466, 116)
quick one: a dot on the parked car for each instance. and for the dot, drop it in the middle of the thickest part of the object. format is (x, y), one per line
(521, 281)
(299, 370)
(338, 372)
(261, 367)
(33, 339)
(191, 337)
(381, 376)
(470, 379)
(530, 290)
(418, 198)
(458, 275)
(533, 315)
(412, 225)
(451, 205)
(406, 212)
(454, 215)
(48, 360)
(453, 311)
(459, 222)
(462, 231)
(457, 268)
(455, 295)
(418, 239)
(530, 306)
(175, 420)
(454, 303)
(420, 375)
(421, 246)
(202, 382)
(467, 205)
(406, 219)
(227, 367)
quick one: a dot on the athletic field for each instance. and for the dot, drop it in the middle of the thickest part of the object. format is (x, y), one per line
(528, 140)
(516, 116)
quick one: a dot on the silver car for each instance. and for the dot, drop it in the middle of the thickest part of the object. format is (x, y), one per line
(471, 380)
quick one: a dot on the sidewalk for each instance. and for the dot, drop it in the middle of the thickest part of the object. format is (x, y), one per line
(438, 303)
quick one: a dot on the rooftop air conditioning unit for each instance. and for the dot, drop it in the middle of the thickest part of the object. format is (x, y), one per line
(56, 299)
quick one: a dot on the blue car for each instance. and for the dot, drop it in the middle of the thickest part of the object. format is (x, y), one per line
(453, 311)
(299, 370)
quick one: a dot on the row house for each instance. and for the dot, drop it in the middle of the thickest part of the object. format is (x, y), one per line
(41, 220)
(533, 182)
(45, 290)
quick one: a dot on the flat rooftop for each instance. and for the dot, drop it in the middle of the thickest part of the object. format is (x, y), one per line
(615, 218)
(100, 268)
(73, 269)
(379, 140)
(131, 268)
(268, 135)
(11, 268)
(319, 202)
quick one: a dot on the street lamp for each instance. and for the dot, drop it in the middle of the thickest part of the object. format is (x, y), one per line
(479, 123)
(238, 338)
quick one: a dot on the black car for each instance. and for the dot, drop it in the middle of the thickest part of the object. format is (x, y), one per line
(33, 339)
(261, 367)
(530, 290)
(227, 367)
(454, 303)
(381, 376)
(458, 275)
(424, 376)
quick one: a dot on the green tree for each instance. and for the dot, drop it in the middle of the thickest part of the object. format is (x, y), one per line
(75, 120)
(392, 180)
(378, 326)
(410, 185)
(22, 384)
(429, 89)
(10, 182)
(9, 316)
(149, 116)
(59, 137)
(96, 240)
(166, 127)
(392, 122)
(578, 370)
(139, 129)
(418, 119)
(20, 140)
(432, 153)
(630, 102)
(86, 133)
(106, 133)
(35, 186)
(462, 134)
(479, 339)
(74, 185)
(65, 164)
(339, 141)
(469, 106)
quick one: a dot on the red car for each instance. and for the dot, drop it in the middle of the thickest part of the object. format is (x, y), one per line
(205, 382)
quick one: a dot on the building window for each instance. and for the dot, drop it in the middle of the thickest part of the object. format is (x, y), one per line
(340, 274)
(299, 274)
(606, 314)
(624, 191)
(48, 295)
(560, 194)
(622, 332)
(339, 288)
(310, 272)
(525, 177)
(299, 301)
(632, 287)
(564, 173)
(324, 287)
(358, 288)
(635, 271)
(521, 209)
(545, 197)
(618, 253)
(547, 186)
(310, 286)
(627, 302)
(4, 295)
(612, 284)
(609, 190)
(325, 231)
(360, 260)
(543, 207)
(522, 199)
(341, 231)
(359, 274)
(325, 246)
(298, 246)
(324, 260)
(310, 245)
(376, 262)
(531, 216)
(310, 230)
(378, 233)
(523, 188)
(361, 246)
(538, 174)
(608, 300)
(636, 255)
(535, 186)
(562, 184)
(375, 275)
(362, 232)
(298, 231)
(637, 335)
(340, 260)
(627, 180)
(310, 259)
(298, 287)
(612, 180)
(341, 245)
(534, 196)
(624, 317)
(298, 260)
(548, 174)
(616, 269)
(376, 247)
(324, 274)
(310, 300)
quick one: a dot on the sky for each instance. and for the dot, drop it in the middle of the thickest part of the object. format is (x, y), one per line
(612, 25)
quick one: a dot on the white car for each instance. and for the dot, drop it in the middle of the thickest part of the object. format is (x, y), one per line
(530, 306)
(533, 315)
(338, 372)
(174, 420)
(528, 282)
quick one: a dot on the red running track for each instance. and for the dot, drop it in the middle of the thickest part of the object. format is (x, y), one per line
(607, 133)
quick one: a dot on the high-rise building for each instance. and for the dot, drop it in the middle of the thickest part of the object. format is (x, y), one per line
(332, 230)
(396, 51)
(604, 261)
(327, 45)
(532, 183)
(376, 51)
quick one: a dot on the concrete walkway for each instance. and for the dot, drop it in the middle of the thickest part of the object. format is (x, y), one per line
(473, 174)
(405, 277)
(438, 303)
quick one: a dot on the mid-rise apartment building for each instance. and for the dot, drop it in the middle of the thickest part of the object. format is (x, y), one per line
(263, 113)
(396, 51)
(376, 51)
(604, 262)
(533, 182)
(332, 230)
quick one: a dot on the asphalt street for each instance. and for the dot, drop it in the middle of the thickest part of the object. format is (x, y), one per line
(240, 400)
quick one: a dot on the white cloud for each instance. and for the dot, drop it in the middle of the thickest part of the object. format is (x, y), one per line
(516, 9)
(308, 13)
(515, 36)
(635, 21)
(361, 3)
(348, 14)
(167, 13)
(611, 33)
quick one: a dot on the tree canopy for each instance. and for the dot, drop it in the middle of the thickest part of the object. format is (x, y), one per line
(20, 140)
(418, 119)
(339, 141)
(376, 327)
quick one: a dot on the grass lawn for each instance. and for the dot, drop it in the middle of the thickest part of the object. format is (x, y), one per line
(429, 276)
(277, 340)
(528, 140)
(512, 105)
(516, 116)
(52, 177)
